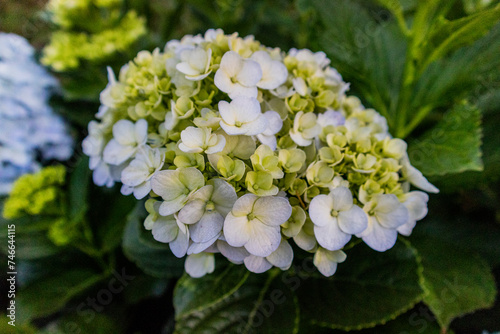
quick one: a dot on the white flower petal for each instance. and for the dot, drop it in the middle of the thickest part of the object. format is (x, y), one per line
(282, 257)
(192, 212)
(198, 265)
(331, 236)
(263, 239)
(257, 264)
(237, 230)
(116, 154)
(326, 261)
(209, 226)
(378, 237)
(244, 205)
(342, 199)
(272, 211)
(320, 210)
(165, 230)
(353, 221)
(180, 245)
(233, 254)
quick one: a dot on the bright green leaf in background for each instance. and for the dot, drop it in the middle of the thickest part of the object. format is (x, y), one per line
(453, 146)
(455, 280)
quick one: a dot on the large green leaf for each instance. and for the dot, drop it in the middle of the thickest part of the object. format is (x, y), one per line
(78, 189)
(155, 261)
(447, 36)
(453, 146)
(456, 281)
(75, 323)
(370, 288)
(49, 295)
(189, 298)
(245, 304)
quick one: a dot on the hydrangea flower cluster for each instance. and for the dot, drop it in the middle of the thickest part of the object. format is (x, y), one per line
(91, 30)
(241, 149)
(30, 133)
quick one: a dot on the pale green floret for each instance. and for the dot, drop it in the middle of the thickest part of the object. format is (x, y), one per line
(231, 169)
(320, 174)
(264, 159)
(292, 160)
(331, 155)
(260, 183)
(364, 163)
(294, 224)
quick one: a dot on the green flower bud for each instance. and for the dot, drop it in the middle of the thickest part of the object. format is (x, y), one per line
(364, 163)
(183, 159)
(369, 189)
(324, 99)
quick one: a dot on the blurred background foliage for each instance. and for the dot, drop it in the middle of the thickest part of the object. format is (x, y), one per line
(432, 68)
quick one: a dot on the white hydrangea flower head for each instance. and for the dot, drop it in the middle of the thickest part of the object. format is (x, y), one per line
(240, 148)
(254, 223)
(336, 218)
(237, 76)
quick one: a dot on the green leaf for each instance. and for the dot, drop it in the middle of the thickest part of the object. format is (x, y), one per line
(75, 323)
(189, 298)
(456, 281)
(155, 261)
(78, 190)
(453, 146)
(370, 288)
(447, 36)
(5, 328)
(49, 295)
(248, 304)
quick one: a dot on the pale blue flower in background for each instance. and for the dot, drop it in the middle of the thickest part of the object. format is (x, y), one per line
(30, 133)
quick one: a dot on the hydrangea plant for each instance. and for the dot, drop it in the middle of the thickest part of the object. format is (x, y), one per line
(243, 150)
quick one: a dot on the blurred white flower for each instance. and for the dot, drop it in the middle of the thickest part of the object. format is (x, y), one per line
(30, 133)
(199, 140)
(128, 137)
(274, 72)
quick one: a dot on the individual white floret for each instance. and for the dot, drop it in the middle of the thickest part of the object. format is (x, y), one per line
(305, 128)
(170, 230)
(274, 72)
(274, 125)
(336, 218)
(128, 137)
(326, 261)
(175, 187)
(242, 116)
(385, 215)
(237, 76)
(198, 140)
(195, 63)
(254, 222)
(198, 265)
(416, 203)
(206, 210)
(139, 172)
(281, 258)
